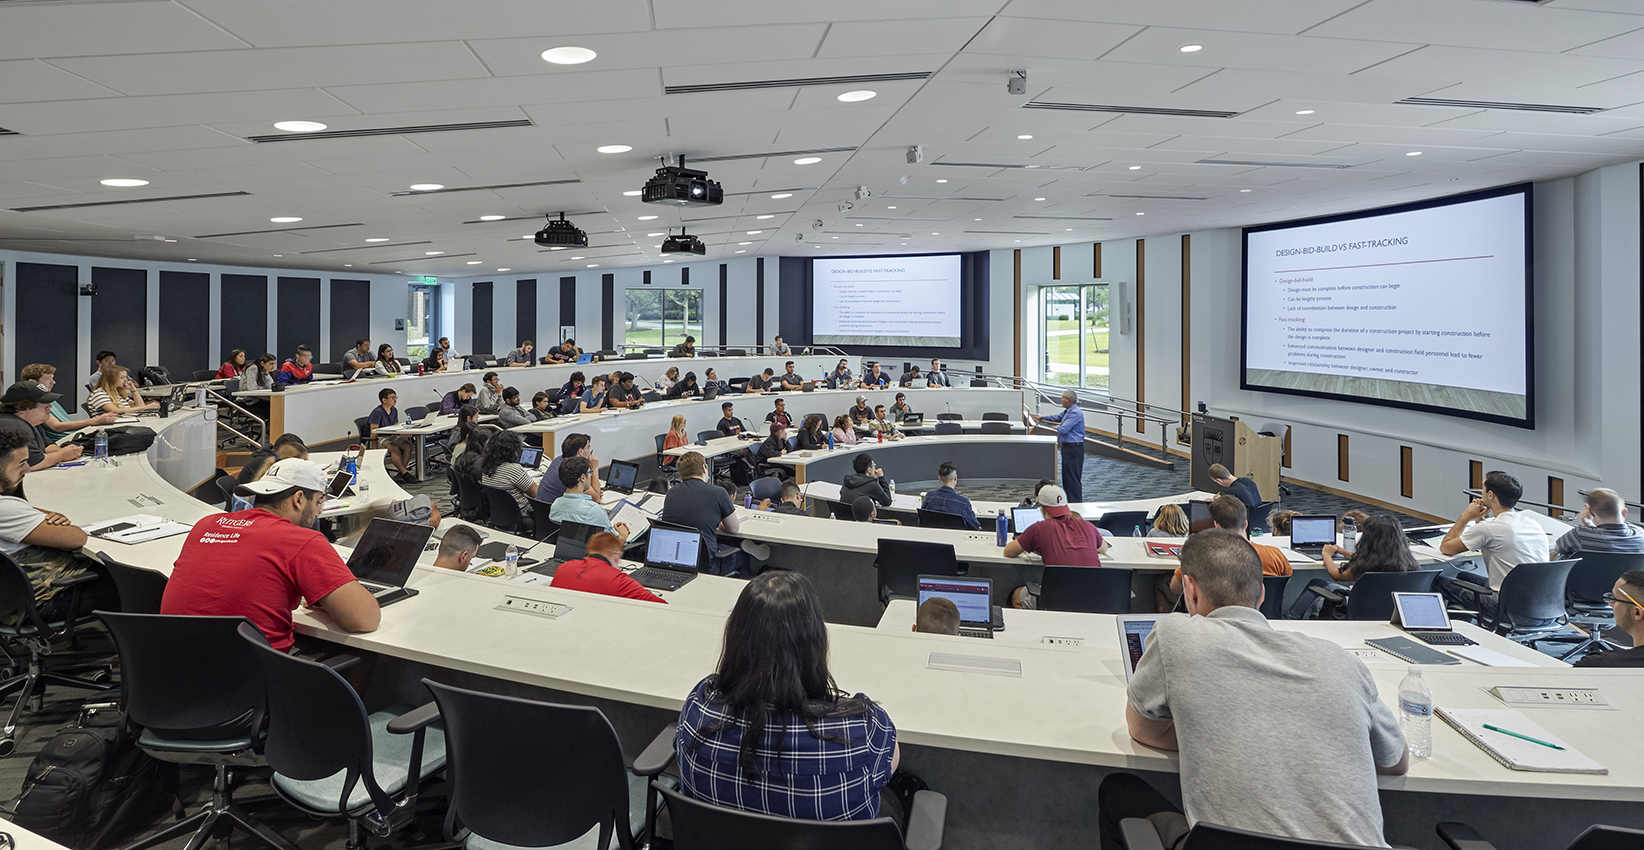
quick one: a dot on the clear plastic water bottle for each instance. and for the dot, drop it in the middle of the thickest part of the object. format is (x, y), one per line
(1416, 713)
(893, 488)
(1138, 531)
(100, 453)
(1001, 529)
(511, 560)
(1349, 533)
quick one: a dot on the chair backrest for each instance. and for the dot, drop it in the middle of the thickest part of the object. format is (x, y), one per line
(1258, 516)
(478, 361)
(995, 417)
(766, 487)
(204, 374)
(540, 789)
(1601, 837)
(1272, 606)
(978, 382)
(227, 483)
(328, 368)
(570, 404)
(1123, 523)
(949, 417)
(473, 507)
(362, 426)
(704, 826)
(994, 427)
(1597, 572)
(1372, 596)
(635, 355)
(317, 726)
(793, 443)
(140, 590)
(705, 436)
(843, 511)
(505, 513)
(941, 519)
(900, 563)
(659, 439)
(650, 351)
(542, 527)
(412, 414)
(1209, 836)
(1536, 593)
(736, 352)
(187, 673)
(17, 597)
(952, 428)
(1092, 590)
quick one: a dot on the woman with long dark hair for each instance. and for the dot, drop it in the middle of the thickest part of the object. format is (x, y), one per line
(811, 436)
(467, 421)
(500, 468)
(770, 732)
(1381, 548)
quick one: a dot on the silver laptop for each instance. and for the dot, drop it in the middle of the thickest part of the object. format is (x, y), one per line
(1309, 534)
(978, 617)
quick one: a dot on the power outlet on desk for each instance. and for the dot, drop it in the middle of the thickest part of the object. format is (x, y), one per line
(1550, 697)
(1062, 641)
(539, 607)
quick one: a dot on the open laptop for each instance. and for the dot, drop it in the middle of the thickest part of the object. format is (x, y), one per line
(913, 420)
(1133, 632)
(1309, 533)
(1422, 616)
(530, 457)
(1198, 516)
(808, 386)
(1021, 518)
(978, 616)
(584, 359)
(385, 555)
(710, 391)
(673, 556)
(572, 542)
(621, 476)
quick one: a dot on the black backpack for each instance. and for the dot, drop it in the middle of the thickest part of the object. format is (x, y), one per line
(128, 440)
(90, 786)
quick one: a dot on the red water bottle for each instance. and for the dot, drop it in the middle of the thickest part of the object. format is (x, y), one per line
(881, 435)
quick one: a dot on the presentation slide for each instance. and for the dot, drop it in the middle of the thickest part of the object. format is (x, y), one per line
(1423, 306)
(886, 301)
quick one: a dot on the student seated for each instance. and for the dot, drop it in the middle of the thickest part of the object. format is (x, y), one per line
(233, 367)
(1061, 537)
(861, 414)
(511, 414)
(770, 448)
(1243, 489)
(298, 370)
(386, 415)
(1171, 521)
(490, 393)
(864, 510)
(761, 382)
(900, 409)
(593, 398)
(539, 407)
(58, 424)
(1228, 514)
(520, 356)
(937, 616)
(780, 348)
(728, 424)
(771, 704)
(624, 393)
(867, 480)
(457, 547)
(686, 388)
(790, 501)
(686, 348)
(844, 434)
(387, 363)
(285, 446)
(565, 352)
(948, 500)
(874, 378)
(790, 379)
(117, 393)
(778, 417)
(103, 360)
(600, 572)
(578, 505)
(1507, 538)
(811, 436)
(435, 361)
(571, 445)
(910, 376)
(1235, 697)
(46, 544)
(695, 502)
(883, 426)
(500, 469)
(23, 411)
(1381, 548)
(1627, 604)
(668, 379)
(1601, 527)
(841, 376)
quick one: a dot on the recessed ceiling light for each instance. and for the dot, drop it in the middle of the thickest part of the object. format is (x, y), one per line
(656, 246)
(667, 261)
(859, 225)
(432, 253)
(755, 232)
(1068, 228)
(123, 182)
(593, 265)
(192, 260)
(279, 255)
(1304, 112)
(558, 248)
(348, 265)
(504, 270)
(171, 240)
(526, 236)
(646, 217)
(807, 160)
(978, 219)
(475, 262)
(744, 243)
(1141, 213)
(578, 258)
(857, 96)
(890, 208)
(492, 217)
(299, 126)
(631, 194)
(654, 234)
(285, 219)
(763, 217)
(1413, 153)
(1192, 48)
(904, 243)
(836, 237)
(934, 233)
(941, 181)
(614, 148)
(568, 55)
(377, 239)
(1024, 137)
(1038, 199)
(1015, 240)
(426, 187)
(1135, 168)
(1244, 190)
(780, 195)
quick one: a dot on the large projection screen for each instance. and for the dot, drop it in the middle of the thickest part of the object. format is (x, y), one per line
(887, 301)
(1423, 306)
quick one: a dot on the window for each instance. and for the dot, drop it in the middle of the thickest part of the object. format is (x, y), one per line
(662, 318)
(1074, 336)
(423, 317)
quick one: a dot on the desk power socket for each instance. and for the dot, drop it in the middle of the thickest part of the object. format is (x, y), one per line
(539, 607)
(1062, 641)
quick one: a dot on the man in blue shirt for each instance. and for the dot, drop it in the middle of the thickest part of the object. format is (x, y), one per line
(1243, 489)
(578, 505)
(947, 500)
(1070, 440)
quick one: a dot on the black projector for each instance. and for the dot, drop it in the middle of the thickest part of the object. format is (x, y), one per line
(683, 244)
(561, 233)
(679, 186)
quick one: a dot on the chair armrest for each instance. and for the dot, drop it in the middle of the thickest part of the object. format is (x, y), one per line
(1327, 594)
(1140, 834)
(927, 821)
(658, 755)
(1460, 836)
(415, 720)
(1462, 614)
(339, 662)
(1476, 588)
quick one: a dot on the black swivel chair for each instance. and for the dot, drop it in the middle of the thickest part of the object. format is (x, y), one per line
(195, 679)
(1091, 590)
(1460, 836)
(1591, 578)
(1140, 834)
(978, 382)
(995, 417)
(1530, 593)
(318, 728)
(704, 826)
(140, 590)
(900, 563)
(227, 483)
(635, 355)
(765, 488)
(412, 414)
(362, 426)
(993, 427)
(34, 633)
(1123, 523)
(1371, 597)
(949, 417)
(471, 505)
(542, 527)
(1258, 517)
(505, 513)
(941, 519)
(549, 787)
(659, 455)
(952, 428)
(204, 374)
(1272, 606)
(736, 352)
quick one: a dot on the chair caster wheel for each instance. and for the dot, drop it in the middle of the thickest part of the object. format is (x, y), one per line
(103, 677)
(7, 746)
(8, 672)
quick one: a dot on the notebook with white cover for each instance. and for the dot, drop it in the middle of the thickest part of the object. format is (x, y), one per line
(1517, 753)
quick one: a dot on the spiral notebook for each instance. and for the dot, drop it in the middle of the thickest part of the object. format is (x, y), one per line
(1516, 753)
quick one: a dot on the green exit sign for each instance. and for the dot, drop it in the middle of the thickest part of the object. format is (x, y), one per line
(427, 280)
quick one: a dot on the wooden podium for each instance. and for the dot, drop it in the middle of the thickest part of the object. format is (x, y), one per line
(1238, 447)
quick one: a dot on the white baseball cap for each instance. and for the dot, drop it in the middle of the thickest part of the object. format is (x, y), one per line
(1053, 500)
(286, 474)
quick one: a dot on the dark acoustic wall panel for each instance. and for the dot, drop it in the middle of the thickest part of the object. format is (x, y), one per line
(759, 303)
(47, 321)
(724, 301)
(245, 315)
(119, 315)
(568, 302)
(793, 317)
(350, 315)
(525, 313)
(297, 311)
(483, 315)
(185, 340)
(607, 311)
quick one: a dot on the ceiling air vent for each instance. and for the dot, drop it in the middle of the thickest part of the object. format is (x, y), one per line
(1274, 164)
(1144, 197)
(486, 188)
(800, 81)
(83, 204)
(1129, 110)
(1066, 217)
(1035, 167)
(391, 131)
(1492, 104)
(5, 132)
(420, 259)
(735, 156)
(370, 247)
(279, 230)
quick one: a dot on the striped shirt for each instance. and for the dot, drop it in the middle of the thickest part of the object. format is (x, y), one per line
(801, 776)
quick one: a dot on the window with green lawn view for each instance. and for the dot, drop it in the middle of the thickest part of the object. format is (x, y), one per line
(662, 318)
(422, 317)
(1074, 335)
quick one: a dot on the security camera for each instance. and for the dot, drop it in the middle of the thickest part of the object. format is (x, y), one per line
(863, 193)
(916, 153)
(846, 206)
(816, 224)
(1017, 82)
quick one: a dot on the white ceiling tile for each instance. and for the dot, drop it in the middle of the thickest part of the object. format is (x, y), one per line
(79, 116)
(693, 75)
(176, 140)
(682, 14)
(1025, 37)
(518, 56)
(1043, 73)
(1499, 26)
(1294, 85)
(1540, 122)
(1237, 148)
(1337, 132)
(27, 80)
(1382, 115)
(1273, 16)
(1505, 67)
(888, 38)
(244, 153)
(277, 68)
(309, 22)
(84, 29)
(1619, 6)
(1160, 45)
(569, 87)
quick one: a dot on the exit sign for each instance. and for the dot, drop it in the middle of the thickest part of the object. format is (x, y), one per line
(426, 280)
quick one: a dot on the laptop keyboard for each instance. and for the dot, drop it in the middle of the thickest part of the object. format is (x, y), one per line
(661, 579)
(1443, 638)
(375, 588)
(977, 633)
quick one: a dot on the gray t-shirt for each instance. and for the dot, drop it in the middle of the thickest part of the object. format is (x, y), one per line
(18, 519)
(1279, 732)
(32, 433)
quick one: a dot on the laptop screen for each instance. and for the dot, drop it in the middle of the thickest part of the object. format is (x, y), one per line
(388, 550)
(973, 596)
(1133, 632)
(1198, 517)
(671, 547)
(1021, 518)
(530, 457)
(911, 418)
(622, 474)
(1312, 530)
(584, 359)
(1422, 611)
(339, 484)
(572, 542)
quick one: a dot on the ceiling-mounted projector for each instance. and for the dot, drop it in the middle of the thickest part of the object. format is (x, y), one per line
(679, 186)
(561, 233)
(683, 244)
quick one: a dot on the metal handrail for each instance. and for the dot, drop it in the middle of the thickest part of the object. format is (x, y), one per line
(1109, 405)
(800, 350)
(261, 424)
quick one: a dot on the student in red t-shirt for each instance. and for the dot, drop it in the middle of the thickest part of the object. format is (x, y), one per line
(262, 563)
(1061, 539)
(598, 572)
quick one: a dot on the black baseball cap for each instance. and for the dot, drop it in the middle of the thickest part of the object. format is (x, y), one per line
(29, 391)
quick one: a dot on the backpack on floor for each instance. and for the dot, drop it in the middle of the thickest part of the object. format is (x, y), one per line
(90, 786)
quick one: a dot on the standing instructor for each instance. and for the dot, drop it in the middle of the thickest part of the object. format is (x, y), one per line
(1070, 441)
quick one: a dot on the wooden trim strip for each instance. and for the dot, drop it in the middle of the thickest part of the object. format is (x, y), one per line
(1096, 261)
(1555, 495)
(1475, 474)
(1187, 323)
(1056, 263)
(1407, 472)
(1341, 457)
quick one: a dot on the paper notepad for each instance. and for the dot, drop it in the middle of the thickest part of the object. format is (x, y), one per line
(1517, 753)
(137, 528)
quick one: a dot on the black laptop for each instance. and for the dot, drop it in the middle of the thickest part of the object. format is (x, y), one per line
(386, 553)
(621, 476)
(530, 457)
(673, 556)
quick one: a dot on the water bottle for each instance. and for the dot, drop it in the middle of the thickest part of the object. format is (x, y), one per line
(881, 435)
(1416, 713)
(511, 560)
(893, 488)
(101, 452)
(1001, 528)
(1138, 531)
(352, 467)
(830, 441)
(1349, 533)
(747, 501)
(199, 396)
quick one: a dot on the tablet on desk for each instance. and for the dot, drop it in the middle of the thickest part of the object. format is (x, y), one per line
(1133, 632)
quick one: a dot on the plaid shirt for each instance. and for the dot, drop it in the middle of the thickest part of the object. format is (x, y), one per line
(801, 776)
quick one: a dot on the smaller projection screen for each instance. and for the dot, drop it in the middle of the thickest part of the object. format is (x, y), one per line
(887, 301)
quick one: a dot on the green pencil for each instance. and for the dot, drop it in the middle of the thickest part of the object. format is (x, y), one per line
(1523, 737)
